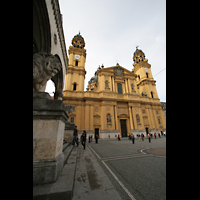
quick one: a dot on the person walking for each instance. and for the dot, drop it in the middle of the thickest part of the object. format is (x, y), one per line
(75, 139)
(84, 139)
(91, 138)
(142, 136)
(139, 137)
(149, 136)
(133, 139)
(96, 138)
(118, 137)
(155, 135)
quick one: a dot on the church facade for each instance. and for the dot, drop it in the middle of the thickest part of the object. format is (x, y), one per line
(117, 101)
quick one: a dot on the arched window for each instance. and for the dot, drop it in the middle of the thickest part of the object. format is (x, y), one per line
(76, 64)
(147, 75)
(138, 119)
(74, 87)
(152, 94)
(119, 87)
(139, 77)
(132, 87)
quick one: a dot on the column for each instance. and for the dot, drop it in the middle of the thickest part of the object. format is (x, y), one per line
(156, 119)
(124, 88)
(103, 82)
(91, 117)
(110, 84)
(129, 86)
(116, 121)
(126, 84)
(87, 109)
(141, 118)
(161, 118)
(113, 84)
(131, 120)
(134, 118)
(152, 118)
(149, 117)
(82, 127)
(116, 90)
(103, 117)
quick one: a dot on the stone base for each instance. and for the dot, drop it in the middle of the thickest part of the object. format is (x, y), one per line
(47, 171)
(104, 134)
(69, 131)
(49, 118)
(152, 131)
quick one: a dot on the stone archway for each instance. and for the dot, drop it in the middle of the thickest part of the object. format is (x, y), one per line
(41, 27)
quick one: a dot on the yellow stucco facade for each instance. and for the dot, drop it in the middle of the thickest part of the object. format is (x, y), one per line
(117, 101)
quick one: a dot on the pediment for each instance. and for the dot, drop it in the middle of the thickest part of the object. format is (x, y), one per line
(123, 116)
(117, 71)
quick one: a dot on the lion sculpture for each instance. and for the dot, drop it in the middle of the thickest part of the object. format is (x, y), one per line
(45, 66)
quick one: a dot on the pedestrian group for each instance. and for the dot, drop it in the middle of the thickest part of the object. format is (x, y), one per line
(130, 137)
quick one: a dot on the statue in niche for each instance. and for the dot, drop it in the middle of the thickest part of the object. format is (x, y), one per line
(108, 118)
(45, 66)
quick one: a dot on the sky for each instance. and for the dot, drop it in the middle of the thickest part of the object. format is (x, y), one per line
(113, 28)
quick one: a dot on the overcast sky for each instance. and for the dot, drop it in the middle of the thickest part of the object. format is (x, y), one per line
(113, 28)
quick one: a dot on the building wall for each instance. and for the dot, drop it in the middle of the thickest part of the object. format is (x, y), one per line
(101, 107)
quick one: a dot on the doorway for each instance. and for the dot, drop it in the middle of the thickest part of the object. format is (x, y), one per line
(147, 131)
(96, 132)
(123, 127)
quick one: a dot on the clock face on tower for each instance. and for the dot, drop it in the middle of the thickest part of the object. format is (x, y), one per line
(76, 56)
(146, 69)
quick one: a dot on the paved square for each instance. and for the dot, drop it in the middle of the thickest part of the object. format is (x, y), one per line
(140, 167)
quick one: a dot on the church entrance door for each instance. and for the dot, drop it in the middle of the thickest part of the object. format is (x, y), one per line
(96, 132)
(147, 131)
(123, 127)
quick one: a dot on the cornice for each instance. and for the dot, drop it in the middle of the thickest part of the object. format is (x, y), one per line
(146, 81)
(75, 50)
(58, 19)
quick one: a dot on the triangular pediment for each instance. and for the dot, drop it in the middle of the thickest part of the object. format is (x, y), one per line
(117, 71)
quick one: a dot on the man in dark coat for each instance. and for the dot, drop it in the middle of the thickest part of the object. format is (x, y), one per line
(84, 139)
(75, 139)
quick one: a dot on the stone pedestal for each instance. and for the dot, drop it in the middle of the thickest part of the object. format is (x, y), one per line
(49, 118)
(69, 131)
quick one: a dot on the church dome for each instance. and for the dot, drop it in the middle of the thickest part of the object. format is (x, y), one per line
(93, 79)
(78, 41)
(138, 55)
(138, 51)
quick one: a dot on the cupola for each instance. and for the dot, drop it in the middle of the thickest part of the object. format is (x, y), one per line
(138, 55)
(78, 41)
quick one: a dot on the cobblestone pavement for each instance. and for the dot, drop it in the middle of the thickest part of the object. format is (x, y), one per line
(139, 167)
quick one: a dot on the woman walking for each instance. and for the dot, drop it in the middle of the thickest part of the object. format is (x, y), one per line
(84, 139)
(149, 136)
(133, 139)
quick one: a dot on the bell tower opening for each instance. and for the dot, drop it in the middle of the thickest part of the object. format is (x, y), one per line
(74, 87)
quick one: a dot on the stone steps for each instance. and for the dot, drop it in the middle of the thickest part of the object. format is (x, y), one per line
(63, 187)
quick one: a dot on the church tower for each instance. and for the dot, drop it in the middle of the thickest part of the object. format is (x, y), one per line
(145, 82)
(75, 75)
